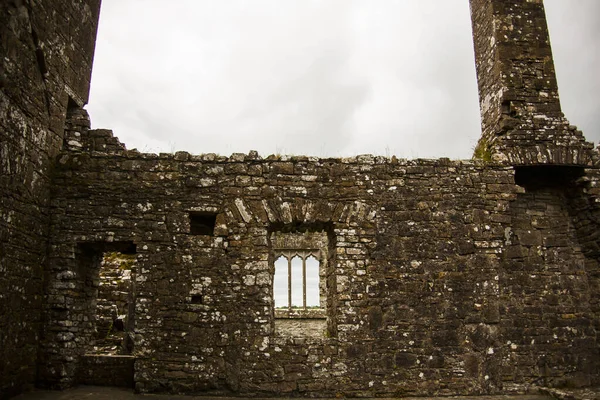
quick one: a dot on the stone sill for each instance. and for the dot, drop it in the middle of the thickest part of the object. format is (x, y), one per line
(109, 355)
(300, 313)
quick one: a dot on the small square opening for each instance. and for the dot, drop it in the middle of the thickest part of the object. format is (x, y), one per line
(202, 223)
(196, 299)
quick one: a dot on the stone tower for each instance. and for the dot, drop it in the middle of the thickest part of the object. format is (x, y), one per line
(521, 118)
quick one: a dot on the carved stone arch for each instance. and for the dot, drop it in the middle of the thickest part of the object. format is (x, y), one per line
(277, 210)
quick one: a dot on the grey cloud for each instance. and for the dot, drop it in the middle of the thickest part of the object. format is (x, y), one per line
(574, 27)
(310, 110)
(321, 78)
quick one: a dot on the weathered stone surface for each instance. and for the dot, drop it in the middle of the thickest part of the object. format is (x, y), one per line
(112, 393)
(46, 51)
(106, 370)
(469, 280)
(437, 277)
(522, 121)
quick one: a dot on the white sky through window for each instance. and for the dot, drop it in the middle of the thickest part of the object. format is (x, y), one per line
(280, 282)
(312, 282)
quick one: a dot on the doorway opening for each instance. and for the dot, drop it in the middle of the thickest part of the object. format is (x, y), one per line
(108, 271)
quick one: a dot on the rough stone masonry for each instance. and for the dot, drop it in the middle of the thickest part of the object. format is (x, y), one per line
(436, 277)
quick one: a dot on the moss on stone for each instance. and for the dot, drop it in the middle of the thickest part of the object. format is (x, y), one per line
(482, 152)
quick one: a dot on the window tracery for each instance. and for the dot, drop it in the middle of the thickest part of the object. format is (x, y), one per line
(297, 278)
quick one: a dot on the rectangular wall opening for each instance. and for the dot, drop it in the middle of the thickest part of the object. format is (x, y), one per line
(302, 263)
(115, 306)
(202, 223)
(547, 176)
(108, 273)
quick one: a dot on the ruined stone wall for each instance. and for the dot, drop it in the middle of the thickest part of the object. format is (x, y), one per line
(545, 251)
(440, 277)
(46, 50)
(447, 277)
(585, 210)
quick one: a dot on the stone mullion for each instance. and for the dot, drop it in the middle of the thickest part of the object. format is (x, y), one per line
(289, 260)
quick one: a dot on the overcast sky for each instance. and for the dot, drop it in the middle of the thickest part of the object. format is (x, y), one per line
(324, 78)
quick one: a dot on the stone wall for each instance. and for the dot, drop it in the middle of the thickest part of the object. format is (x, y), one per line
(440, 277)
(104, 370)
(46, 50)
(448, 278)
(545, 251)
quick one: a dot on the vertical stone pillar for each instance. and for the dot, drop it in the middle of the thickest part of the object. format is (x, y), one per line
(521, 118)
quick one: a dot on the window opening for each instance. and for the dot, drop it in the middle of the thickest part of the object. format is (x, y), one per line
(296, 281)
(202, 223)
(196, 299)
(302, 257)
(72, 106)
